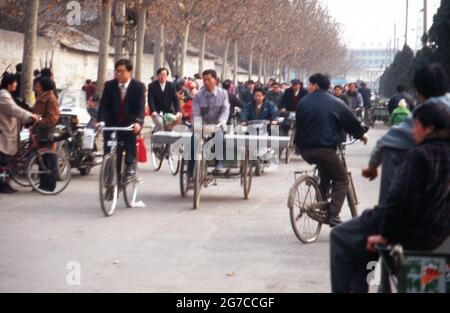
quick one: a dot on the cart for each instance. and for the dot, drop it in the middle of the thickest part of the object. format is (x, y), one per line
(238, 167)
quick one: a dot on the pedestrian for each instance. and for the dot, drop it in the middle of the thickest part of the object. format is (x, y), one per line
(275, 95)
(339, 93)
(292, 96)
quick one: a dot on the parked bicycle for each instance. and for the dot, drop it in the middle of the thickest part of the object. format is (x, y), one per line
(306, 201)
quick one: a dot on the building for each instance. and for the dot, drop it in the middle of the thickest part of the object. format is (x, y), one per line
(369, 64)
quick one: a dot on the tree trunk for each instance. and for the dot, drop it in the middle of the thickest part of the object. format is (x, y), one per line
(236, 62)
(225, 57)
(250, 62)
(158, 51)
(266, 61)
(119, 29)
(184, 48)
(142, 19)
(29, 50)
(201, 58)
(103, 56)
(260, 67)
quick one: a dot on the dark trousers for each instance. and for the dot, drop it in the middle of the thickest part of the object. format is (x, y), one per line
(129, 146)
(330, 169)
(349, 258)
(48, 181)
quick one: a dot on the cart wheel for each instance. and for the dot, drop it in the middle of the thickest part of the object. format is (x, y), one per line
(246, 172)
(198, 181)
(184, 178)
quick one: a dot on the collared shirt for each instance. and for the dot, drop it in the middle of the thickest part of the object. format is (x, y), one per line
(213, 107)
(123, 88)
(163, 86)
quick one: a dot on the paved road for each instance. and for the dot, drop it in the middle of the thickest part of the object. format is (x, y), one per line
(228, 245)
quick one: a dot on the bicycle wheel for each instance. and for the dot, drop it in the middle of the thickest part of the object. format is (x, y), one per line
(157, 156)
(184, 178)
(48, 173)
(246, 174)
(19, 173)
(289, 147)
(109, 188)
(198, 181)
(130, 192)
(174, 160)
(305, 192)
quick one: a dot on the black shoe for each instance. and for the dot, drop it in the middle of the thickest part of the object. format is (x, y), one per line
(333, 219)
(4, 189)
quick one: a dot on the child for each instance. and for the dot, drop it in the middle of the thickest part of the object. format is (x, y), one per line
(400, 114)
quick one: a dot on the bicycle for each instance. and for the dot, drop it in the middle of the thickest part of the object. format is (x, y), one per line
(307, 214)
(160, 152)
(111, 182)
(35, 162)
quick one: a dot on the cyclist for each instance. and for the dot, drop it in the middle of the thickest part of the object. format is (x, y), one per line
(259, 109)
(415, 213)
(123, 104)
(320, 121)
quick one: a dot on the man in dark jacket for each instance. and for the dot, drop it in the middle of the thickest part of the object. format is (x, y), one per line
(246, 94)
(123, 104)
(162, 95)
(235, 102)
(395, 100)
(366, 94)
(275, 95)
(416, 213)
(320, 121)
(292, 96)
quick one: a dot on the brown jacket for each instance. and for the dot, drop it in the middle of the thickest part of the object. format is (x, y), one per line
(47, 107)
(10, 113)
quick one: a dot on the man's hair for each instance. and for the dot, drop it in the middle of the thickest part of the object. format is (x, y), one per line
(88, 81)
(338, 87)
(213, 73)
(127, 63)
(160, 70)
(259, 89)
(431, 81)
(276, 84)
(36, 72)
(7, 80)
(363, 85)
(250, 82)
(320, 79)
(436, 115)
(401, 88)
(354, 84)
(46, 72)
(45, 83)
(226, 84)
(19, 68)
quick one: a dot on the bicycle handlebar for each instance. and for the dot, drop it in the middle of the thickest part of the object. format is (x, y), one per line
(115, 129)
(349, 143)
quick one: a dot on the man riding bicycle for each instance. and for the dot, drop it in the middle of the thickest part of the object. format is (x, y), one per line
(321, 120)
(123, 104)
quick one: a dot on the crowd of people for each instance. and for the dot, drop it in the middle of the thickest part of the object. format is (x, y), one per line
(414, 204)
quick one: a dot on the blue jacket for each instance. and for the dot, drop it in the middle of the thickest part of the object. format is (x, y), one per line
(400, 137)
(268, 112)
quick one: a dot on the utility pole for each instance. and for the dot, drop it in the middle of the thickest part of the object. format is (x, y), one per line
(425, 17)
(406, 27)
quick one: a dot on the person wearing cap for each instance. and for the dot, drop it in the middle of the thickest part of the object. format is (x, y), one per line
(292, 96)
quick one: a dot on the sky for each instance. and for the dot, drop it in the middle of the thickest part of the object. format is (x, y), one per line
(370, 23)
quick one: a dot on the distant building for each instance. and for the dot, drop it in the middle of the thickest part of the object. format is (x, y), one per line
(368, 65)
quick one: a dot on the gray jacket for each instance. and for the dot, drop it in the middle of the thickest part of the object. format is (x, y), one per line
(213, 108)
(400, 137)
